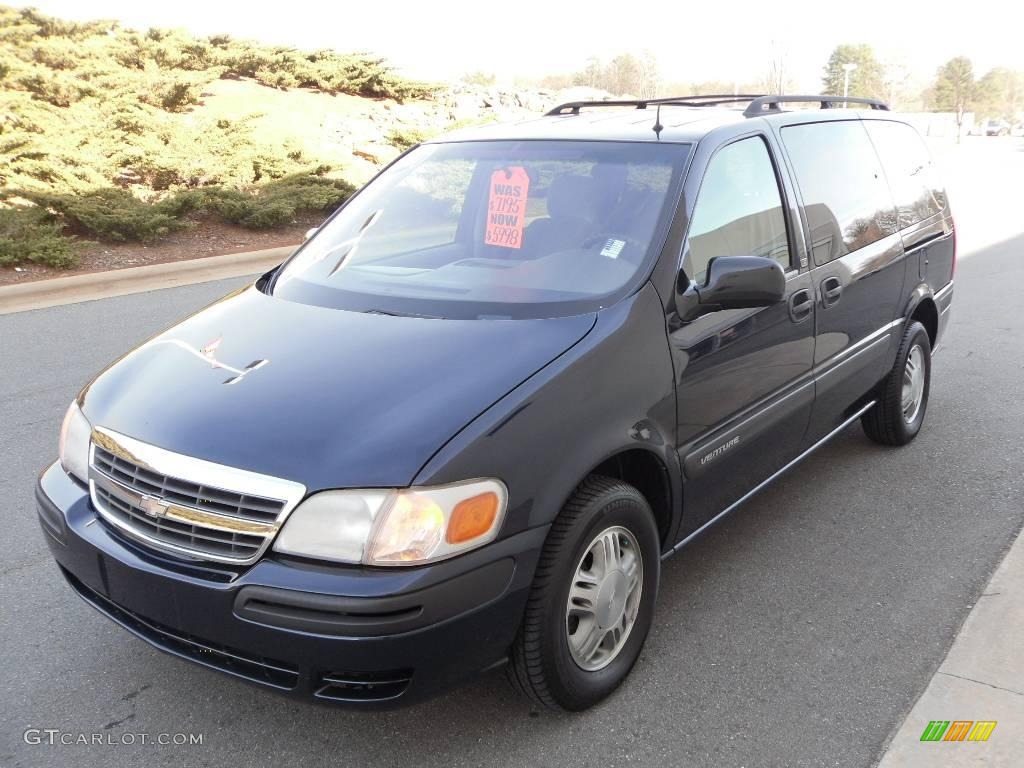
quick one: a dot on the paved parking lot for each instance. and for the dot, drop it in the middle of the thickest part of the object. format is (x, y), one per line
(799, 632)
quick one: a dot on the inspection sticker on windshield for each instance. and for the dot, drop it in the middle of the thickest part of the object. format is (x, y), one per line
(507, 207)
(612, 248)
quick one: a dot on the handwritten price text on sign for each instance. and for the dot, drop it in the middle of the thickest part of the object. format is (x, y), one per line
(506, 207)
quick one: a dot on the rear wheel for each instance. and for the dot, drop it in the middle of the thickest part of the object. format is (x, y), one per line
(903, 394)
(592, 599)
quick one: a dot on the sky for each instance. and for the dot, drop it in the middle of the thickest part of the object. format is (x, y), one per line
(693, 42)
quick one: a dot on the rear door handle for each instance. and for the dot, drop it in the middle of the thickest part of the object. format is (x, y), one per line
(831, 291)
(801, 304)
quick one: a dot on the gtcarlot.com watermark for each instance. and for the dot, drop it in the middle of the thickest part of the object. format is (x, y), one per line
(57, 737)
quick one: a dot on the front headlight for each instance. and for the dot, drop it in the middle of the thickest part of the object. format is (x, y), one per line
(74, 443)
(395, 527)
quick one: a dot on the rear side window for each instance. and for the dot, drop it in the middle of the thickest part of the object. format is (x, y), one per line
(846, 198)
(738, 210)
(909, 169)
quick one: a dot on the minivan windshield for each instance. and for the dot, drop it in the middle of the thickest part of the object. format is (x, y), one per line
(493, 229)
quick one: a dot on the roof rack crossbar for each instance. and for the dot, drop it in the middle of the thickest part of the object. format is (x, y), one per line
(708, 100)
(761, 104)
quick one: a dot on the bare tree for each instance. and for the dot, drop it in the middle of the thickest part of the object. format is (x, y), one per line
(955, 89)
(626, 74)
(895, 81)
(622, 75)
(776, 78)
(647, 87)
(591, 75)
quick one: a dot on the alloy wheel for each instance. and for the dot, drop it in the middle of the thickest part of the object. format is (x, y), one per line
(604, 598)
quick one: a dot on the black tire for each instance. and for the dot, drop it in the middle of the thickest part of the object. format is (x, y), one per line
(542, 665)
(886, 422)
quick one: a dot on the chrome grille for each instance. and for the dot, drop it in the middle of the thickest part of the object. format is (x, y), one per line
(193, 537)
(187, 506)
(183, 492)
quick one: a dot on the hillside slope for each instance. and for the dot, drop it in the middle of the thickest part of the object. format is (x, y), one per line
(111, 134)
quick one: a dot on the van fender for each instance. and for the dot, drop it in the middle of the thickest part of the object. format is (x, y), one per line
(921, 292)
(614, 391)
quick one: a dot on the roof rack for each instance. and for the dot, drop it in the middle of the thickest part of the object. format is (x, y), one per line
(759, 103)
(709, 100)
(763, 104)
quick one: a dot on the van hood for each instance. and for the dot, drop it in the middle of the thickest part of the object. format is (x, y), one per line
(325, 397)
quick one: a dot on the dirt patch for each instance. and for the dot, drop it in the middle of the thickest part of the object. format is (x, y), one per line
(203, 238)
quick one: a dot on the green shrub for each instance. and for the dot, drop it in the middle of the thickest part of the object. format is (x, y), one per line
(129, 118)
(92, 49)
(111, 214)
(277, 202)
(403, 138)
(276, 78)
(28, 235)
(91, 133)
(54, 55)
(58, 89)
(267, 214)
(34, 233)
(173, 93)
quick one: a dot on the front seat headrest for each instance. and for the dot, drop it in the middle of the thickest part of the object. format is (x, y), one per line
(573, 197)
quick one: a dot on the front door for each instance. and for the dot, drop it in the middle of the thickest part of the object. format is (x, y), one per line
(743, 377)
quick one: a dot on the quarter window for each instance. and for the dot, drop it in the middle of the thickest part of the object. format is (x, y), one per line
(846, 200)
(909, 169)
(738, 210)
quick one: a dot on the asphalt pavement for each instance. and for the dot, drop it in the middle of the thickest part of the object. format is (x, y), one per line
(799, 632)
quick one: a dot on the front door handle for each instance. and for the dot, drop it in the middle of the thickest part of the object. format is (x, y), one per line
(801, 303)
(831, 291)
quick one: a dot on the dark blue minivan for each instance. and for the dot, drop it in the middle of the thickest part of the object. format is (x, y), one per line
(463, 425)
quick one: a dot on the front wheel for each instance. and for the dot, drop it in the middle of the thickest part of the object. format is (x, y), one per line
(592, 599)
(903, 394)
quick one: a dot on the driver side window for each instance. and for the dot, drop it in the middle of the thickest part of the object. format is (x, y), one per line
(738, 210)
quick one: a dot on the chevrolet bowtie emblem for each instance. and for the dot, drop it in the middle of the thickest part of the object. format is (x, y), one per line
(153, 507)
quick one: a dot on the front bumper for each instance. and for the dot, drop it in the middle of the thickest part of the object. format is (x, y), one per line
(348, 635)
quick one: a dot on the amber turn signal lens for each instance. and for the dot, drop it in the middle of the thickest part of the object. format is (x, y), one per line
(472, 517)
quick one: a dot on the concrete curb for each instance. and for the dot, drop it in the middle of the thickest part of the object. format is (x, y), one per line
(39, 294)
(981, 679)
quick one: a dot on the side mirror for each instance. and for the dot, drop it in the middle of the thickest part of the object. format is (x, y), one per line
(309, 233)
(735, 282)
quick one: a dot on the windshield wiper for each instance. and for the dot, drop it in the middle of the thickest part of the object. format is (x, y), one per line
(400, 314)
(353, 243)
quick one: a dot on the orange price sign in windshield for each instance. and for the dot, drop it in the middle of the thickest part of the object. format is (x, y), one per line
(506, 207)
